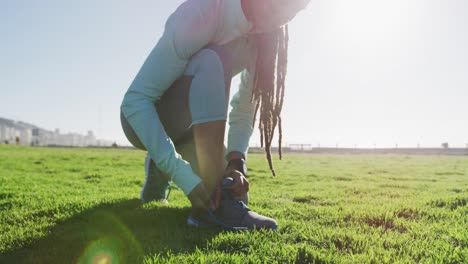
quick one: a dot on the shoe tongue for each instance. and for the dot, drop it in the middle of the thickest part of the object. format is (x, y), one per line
(228, 201)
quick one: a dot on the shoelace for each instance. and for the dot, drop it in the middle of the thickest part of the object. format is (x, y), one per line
(219, 222)
(171, 187)
(239, 204)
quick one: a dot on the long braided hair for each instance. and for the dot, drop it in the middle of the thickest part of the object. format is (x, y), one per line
(269, 84)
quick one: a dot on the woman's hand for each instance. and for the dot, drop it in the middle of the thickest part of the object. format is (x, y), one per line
(237, 170)
(240, 184)
(201, 198)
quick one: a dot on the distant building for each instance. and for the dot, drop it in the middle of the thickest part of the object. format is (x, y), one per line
(11, 134)
(90, 139)
(3, 133)
(25, 134)
(25, 137)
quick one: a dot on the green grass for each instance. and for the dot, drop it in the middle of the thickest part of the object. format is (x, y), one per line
(73, 205)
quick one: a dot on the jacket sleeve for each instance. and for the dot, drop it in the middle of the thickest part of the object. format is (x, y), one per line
(194, 25)
(241, 116)
(186, 32)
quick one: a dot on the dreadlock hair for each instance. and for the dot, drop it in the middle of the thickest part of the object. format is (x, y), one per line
(268, 87)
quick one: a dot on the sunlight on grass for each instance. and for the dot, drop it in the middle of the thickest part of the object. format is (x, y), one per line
(82, 206)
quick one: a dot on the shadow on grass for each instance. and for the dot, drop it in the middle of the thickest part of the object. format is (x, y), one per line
(121, 232)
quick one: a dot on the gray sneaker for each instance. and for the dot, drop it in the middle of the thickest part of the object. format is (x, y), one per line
(157, 186)
(232, 215)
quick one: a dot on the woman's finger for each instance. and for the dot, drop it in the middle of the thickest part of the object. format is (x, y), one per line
(246, 184)
(241, 184)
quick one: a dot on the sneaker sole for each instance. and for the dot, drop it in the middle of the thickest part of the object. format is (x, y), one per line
(191, 221)
(195, 223)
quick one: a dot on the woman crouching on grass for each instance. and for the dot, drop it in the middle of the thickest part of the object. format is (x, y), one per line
(179, 99)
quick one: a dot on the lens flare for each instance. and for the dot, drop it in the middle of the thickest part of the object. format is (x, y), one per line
(111, 241)
(102, 259)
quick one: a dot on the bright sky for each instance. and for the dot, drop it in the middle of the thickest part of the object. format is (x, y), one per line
(361, 72)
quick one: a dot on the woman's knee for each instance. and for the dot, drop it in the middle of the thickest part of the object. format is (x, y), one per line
(209, 91)
(212, 60)
(224, 57)
(130, 133)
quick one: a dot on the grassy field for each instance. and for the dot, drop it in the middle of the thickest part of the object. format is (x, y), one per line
(82, 206)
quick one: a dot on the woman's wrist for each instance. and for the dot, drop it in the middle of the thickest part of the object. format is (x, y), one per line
(236, 162)
(235, 155)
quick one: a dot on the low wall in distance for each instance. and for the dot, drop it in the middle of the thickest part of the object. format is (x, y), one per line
(400, 151)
